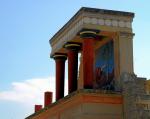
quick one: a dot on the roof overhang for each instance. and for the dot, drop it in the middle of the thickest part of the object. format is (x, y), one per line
(91, 18)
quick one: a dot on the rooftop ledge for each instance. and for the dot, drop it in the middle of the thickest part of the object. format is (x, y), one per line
(96, 11)
(83, 96)
(92, 18)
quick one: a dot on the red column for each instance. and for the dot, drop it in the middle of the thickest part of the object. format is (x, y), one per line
(88, 62)
(37, 108)
(60, 74)
(47, 98)
(88, 36)
(73, 49)
(72, 70)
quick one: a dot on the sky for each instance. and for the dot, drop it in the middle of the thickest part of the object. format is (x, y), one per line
(26, 26)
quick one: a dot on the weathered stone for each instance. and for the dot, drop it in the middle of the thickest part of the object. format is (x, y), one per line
(133, 89)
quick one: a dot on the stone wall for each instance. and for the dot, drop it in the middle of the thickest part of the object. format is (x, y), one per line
(133, 88)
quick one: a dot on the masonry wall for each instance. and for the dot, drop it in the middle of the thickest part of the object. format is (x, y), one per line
(133, 88)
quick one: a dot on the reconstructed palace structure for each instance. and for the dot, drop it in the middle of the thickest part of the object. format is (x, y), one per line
(104, 85)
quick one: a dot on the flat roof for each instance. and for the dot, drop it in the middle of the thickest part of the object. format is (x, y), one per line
(94, 11)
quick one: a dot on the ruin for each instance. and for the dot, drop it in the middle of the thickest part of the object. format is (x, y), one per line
(104, 86)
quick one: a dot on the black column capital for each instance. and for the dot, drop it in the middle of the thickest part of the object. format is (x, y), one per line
(88, 33)
(73, 46)
(62, 56)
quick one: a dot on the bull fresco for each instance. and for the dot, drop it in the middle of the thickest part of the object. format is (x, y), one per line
(104, 67)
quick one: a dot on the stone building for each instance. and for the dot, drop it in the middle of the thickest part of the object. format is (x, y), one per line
(104, 86)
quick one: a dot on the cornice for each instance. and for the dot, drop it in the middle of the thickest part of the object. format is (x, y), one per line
(90, 16)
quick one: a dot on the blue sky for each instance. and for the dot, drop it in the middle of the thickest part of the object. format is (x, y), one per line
(26, 26)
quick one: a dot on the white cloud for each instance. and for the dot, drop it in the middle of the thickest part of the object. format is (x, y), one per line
(29, 91)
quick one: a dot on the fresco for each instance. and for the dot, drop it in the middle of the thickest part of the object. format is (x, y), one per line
(104, 67)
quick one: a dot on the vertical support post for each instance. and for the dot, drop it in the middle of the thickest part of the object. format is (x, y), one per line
(47, 98)
(37, 108)
(73, 49)
(88, 62)
(125, 52)
(60, 74)
(88, 37)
